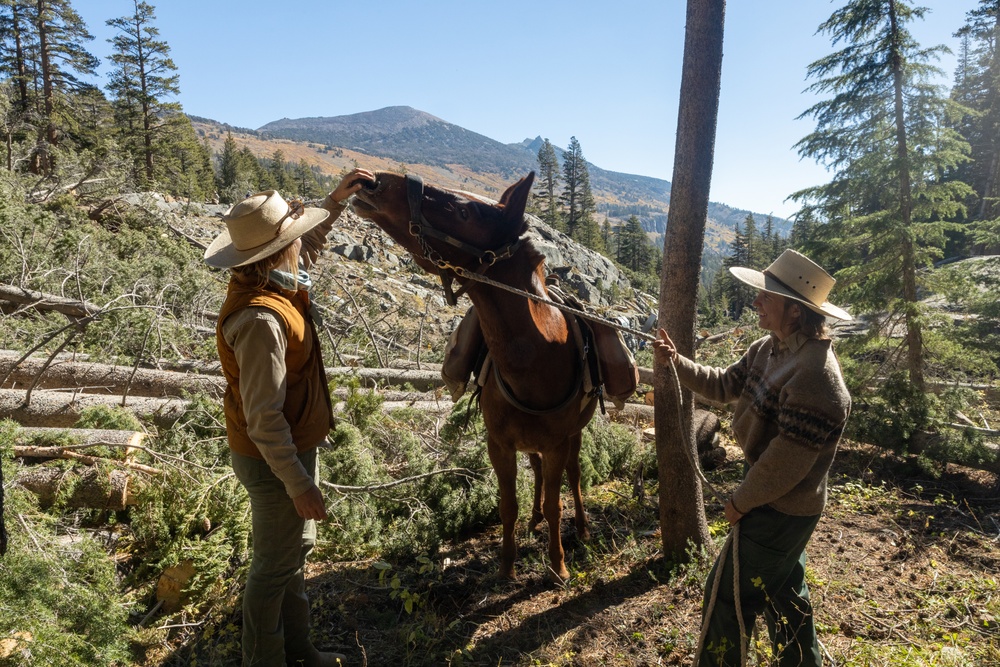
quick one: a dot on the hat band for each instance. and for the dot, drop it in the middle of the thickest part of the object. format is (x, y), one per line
(787, 287)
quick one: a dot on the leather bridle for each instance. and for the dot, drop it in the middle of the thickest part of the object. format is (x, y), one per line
(421, 230)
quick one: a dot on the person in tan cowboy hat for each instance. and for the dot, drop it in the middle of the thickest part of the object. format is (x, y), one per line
(277, 406)
(791, 408)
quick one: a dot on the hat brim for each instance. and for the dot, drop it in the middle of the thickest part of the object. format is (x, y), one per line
(762, 281)
(223, 255)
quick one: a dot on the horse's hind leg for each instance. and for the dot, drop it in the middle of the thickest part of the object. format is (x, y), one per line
(573, 477)
(536, 506)
(553, 464)
(504, 462)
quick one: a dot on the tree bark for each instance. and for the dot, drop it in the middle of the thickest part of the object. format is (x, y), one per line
(92, 486)
(42, 301)
(106, 379)
(682, 510)
(914, 333)
(62, 409)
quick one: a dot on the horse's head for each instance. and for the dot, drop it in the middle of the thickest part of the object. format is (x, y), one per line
(440, 227)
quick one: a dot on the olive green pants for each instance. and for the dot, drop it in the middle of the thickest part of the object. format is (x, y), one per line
(275, 606)
(772, 582)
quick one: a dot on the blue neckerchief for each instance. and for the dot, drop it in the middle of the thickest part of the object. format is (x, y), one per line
(286, 280)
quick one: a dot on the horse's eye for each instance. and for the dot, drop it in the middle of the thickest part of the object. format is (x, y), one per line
(464, 213)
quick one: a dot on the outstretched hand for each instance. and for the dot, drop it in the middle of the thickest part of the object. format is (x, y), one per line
(664, 349)
(351, 183)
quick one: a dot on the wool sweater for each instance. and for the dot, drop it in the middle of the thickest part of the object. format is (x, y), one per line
(791, 408)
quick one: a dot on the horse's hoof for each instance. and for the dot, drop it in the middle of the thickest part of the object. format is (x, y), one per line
(559, 578)
(583, 535)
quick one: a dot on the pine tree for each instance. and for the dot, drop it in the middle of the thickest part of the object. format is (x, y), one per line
(885, 204)
(307, 187)
(576, 197)
(142, 80)
(977, 87)
(632, 244)
(548, 184)
(277, 172)
(56, 47)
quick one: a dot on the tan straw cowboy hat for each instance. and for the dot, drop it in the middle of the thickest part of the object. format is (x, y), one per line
(259, 226)
(797, 277)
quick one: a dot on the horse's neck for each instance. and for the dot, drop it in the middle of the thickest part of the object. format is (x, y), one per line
(522, 334)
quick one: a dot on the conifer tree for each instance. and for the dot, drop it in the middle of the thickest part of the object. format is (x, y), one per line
(885, 204)
(977, 87)
(576, 197)
(548, 184)
(58, 58)
(633, 251)
(277, 172)
(143, 79)
(307, 187)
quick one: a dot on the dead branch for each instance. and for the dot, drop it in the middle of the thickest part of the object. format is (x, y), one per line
(42, 301)
(364, 321)
(340, 488)
(33, 452)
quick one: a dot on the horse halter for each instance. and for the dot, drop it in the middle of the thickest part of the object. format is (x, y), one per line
(420, 229)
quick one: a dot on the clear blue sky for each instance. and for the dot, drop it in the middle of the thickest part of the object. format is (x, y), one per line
(606, 72)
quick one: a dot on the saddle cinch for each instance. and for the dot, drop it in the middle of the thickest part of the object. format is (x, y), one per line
(609, 369)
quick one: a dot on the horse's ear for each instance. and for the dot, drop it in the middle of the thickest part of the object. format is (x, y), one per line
(515, 199)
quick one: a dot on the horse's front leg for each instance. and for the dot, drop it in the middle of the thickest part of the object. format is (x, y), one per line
(573, 477)
(504, 460)
(536, 506)
(553, 464)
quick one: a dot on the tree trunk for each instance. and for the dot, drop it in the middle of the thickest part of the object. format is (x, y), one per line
(682, 510)
(106, 379)
(43, 301)
(62, 409)
(914, 336)
(93, 487)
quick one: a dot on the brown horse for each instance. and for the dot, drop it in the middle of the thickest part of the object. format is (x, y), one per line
(534, 400)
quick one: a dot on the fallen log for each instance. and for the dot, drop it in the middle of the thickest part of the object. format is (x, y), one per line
(93, 487)
(111, 380)
(32, 452)
(42, 301)
(62, 409)
(106, 378)
(373, 377)
(89, 437)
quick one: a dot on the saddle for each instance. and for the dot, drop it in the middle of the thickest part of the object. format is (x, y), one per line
(609, 368)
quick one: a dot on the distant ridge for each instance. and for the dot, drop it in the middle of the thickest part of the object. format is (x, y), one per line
(413, 137)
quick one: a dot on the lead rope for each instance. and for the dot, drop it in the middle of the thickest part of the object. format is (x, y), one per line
(732, 543)
(465, 273)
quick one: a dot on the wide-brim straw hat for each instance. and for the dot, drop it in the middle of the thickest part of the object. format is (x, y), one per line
(259, 226)
(795, 276)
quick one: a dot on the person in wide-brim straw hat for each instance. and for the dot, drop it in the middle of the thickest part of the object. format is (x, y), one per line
(259, 226)
(795, 276)
(791, 406)
(277, 406)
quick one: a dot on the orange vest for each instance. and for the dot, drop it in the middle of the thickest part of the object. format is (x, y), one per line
(307, 407)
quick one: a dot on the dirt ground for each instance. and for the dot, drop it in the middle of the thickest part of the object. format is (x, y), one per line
(903, 570)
